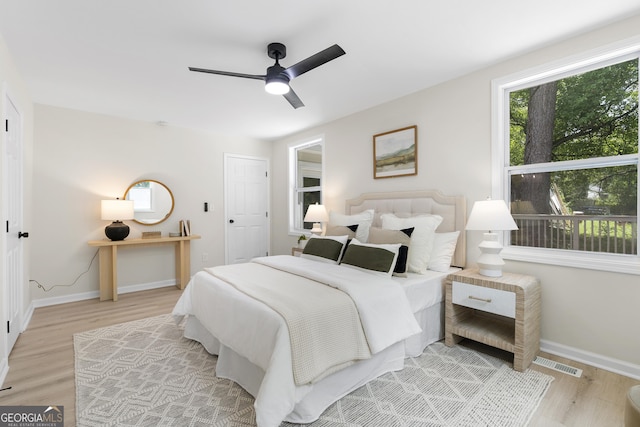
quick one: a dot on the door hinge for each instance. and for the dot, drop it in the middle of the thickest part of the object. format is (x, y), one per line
(8, 327)
(7, 226)
(266, 214)
(267, 253)
(6, 125)
(266, 174)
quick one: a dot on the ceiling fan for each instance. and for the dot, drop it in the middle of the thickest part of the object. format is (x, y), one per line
(277, 78)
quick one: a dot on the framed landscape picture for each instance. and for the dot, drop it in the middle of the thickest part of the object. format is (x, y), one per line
(395, 153)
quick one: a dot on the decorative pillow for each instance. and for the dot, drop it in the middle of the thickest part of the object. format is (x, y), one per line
(421, 238)
(381, 235)
(362, 219)
(325, 249)
(377, 259)
(444, 245)
(342, 230)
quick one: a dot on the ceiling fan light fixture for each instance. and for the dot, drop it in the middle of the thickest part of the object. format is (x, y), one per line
(276, 87)
(276, 80)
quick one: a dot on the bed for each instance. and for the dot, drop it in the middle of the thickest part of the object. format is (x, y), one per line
(252, 339)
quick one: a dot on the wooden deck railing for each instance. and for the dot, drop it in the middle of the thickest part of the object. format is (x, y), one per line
(593, 233)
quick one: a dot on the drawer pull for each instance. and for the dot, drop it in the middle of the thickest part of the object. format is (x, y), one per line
(487, 300)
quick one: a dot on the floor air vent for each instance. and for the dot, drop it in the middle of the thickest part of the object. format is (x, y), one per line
(557, 366)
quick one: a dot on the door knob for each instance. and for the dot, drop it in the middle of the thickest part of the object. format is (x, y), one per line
(21, 234)
(231, 221)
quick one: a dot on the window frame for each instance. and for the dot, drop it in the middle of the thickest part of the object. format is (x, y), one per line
(500, 162)
(294, 189)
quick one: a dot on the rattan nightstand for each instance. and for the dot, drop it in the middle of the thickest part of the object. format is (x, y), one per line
(503, 312)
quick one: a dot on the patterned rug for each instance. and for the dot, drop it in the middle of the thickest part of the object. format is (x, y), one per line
(144, 373)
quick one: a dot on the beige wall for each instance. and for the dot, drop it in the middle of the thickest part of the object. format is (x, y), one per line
(590, 313)
(11, 83)
(82, 158)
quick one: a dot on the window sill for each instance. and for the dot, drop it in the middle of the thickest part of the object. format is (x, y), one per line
(627, 264)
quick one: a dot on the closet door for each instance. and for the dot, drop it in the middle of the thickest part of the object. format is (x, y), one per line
(246, 208)
(12, 216)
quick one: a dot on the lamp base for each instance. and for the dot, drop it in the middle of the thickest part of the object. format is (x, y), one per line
(317, 228)
(117, 230)
(490, 262)
(490, 272)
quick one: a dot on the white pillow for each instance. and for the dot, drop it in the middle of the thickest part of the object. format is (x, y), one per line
(327, 249)
(444, 245)
(362, 219)
(421, 238)
(377, 259)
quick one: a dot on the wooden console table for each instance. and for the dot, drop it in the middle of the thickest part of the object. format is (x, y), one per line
(108, 259)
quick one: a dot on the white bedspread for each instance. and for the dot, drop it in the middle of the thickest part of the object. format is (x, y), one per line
(252, 329)
(324, 327)
(383, 306)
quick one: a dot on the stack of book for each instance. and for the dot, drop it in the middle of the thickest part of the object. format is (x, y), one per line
(185, 227)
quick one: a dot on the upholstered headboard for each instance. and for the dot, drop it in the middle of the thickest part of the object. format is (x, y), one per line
(410, 203)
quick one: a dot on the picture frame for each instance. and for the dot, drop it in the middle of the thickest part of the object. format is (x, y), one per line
(395, 153)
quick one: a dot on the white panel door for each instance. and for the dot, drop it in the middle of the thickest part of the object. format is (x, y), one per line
(246, 208)
(12, 215)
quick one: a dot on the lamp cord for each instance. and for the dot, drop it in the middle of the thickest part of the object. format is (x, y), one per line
(74, 282)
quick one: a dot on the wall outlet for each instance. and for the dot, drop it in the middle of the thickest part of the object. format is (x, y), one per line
(205, 257)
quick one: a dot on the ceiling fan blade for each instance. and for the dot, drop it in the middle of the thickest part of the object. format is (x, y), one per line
(293, 99)
(228, 73)
(315, 61)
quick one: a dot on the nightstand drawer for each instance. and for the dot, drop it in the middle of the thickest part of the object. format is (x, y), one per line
(485, 299)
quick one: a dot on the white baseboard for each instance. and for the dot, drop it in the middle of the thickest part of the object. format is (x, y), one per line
(45, 302)
(4, 370)
(26, 317)
(593, 359)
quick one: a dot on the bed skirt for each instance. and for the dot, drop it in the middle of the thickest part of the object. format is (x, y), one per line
(317, 397)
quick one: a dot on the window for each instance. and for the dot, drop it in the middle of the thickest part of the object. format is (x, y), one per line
(566, 161)
(305, 181)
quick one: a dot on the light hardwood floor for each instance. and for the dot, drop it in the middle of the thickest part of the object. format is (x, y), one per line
(42, 365)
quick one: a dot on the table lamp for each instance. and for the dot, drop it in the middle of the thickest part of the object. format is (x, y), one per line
(317, 214)
(490, 216)
(116, 211)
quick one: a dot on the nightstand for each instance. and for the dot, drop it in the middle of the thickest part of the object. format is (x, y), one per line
(503, 312)
(295, 251)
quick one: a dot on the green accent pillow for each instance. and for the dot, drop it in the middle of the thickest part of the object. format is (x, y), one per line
(325, 249)
(382, 235)
(380, 259)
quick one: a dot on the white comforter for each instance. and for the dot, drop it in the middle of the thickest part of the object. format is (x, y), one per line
(252, 329)
(325, 330)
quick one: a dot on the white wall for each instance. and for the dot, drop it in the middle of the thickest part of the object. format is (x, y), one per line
(594, 314)
(11, 83)
(81, 158)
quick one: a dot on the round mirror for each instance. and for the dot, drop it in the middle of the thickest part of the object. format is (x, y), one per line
(152, 201)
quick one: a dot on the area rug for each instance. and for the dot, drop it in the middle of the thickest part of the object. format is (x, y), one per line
(144, 373)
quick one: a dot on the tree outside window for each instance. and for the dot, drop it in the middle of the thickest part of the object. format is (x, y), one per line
(572, 172)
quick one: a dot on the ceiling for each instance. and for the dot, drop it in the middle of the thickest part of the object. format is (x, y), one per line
(130, 58)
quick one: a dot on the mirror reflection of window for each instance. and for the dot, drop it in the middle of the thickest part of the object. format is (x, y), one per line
(141, 194)
(308, 180)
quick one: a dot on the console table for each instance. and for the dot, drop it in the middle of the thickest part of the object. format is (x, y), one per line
(108, 259)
